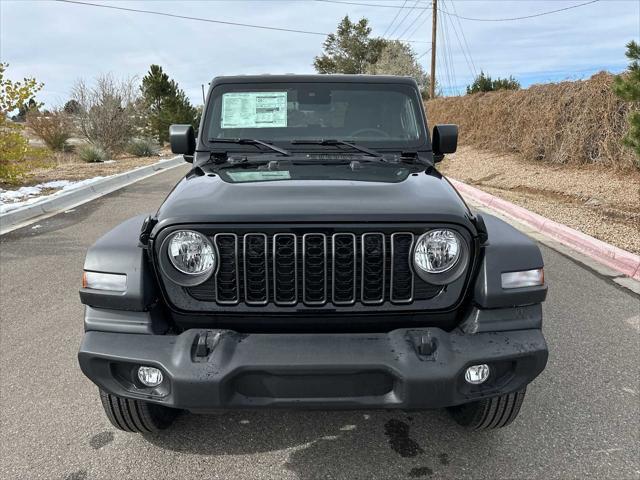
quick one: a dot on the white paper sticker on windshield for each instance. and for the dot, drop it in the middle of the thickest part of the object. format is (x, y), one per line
(257, 176)
(254, 110)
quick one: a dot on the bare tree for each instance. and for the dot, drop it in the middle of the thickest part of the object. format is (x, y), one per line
(107, 115)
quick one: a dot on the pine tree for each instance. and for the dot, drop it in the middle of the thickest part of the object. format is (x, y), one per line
(350, 49)
(627, 87)
(165, 103)
(72, 107)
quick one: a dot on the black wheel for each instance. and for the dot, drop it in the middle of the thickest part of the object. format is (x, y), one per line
(496, 412)
(135, 415)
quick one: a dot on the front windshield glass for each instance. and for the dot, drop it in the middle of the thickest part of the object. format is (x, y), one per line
(375, 114)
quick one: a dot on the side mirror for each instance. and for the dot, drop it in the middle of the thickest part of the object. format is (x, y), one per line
(183, 140)
(444, 140)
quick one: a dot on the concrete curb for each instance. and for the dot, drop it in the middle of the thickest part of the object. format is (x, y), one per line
(48, 206)
(615, 258)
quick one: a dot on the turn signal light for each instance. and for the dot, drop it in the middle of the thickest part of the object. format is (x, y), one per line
(524, 278)
(114, 282)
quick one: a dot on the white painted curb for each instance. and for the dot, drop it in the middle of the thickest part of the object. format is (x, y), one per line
(48, 206)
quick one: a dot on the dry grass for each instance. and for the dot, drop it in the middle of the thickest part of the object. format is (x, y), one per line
(577, 122)
(67, 166)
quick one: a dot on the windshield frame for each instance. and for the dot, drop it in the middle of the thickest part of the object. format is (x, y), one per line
(422, 143)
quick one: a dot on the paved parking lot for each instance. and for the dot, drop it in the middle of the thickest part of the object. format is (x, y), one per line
(580, 418)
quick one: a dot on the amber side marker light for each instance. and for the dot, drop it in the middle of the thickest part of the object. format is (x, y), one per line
(113, 282)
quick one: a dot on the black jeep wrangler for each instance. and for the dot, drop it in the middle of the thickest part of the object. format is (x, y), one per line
(313, 257)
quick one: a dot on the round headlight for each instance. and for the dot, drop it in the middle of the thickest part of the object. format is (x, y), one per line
(437, 251)
(191, 253)
(439, 256)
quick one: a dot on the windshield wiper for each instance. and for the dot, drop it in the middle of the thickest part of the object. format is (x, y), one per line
(251, 141)
(331, 141)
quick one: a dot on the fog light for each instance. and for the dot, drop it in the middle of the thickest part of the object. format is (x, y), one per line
(477, 374)
(150, 376)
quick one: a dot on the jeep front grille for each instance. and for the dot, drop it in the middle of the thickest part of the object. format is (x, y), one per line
(314, 269)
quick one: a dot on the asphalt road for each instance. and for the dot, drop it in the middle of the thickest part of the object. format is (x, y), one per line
(580, 419)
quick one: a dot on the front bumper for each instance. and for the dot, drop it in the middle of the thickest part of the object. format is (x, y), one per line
(382, 370)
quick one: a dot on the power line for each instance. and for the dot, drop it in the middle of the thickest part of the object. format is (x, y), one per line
(394, 19)
(467, 58)
(208, 20)
(464, 38)
(422, 55)
(420, 24)
(540, 14)
(446, 56)
(399, 24)
(364, 4)
(184, 17)
(518, 18)
(415, 19)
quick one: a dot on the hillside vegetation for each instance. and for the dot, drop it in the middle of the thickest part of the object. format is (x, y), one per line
(573, 122)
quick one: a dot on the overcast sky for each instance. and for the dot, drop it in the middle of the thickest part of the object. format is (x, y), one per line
(60, 42)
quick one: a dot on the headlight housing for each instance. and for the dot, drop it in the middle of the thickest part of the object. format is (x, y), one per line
(187, 257)
(440, 256)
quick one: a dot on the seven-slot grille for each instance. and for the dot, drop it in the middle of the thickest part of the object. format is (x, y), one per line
(314, 269)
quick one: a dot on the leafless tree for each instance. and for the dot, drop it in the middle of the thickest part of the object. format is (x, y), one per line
(108, 115)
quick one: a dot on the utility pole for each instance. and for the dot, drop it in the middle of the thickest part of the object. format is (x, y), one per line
(434, 23)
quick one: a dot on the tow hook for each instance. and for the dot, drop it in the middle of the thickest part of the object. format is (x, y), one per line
(425, 344)
(204, 344)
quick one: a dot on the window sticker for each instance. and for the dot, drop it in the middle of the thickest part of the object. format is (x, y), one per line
(259, 176)
(254, 110)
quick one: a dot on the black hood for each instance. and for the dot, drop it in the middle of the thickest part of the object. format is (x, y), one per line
(420, 197)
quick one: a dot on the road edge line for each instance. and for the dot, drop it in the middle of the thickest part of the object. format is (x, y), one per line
(622, 261)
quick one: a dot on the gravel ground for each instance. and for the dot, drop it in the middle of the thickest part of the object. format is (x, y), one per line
(593, 200)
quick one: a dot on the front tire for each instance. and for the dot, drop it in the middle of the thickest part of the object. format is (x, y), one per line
(489, 413)
(136, 416)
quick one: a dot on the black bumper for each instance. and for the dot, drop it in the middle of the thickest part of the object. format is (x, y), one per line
(384, 370)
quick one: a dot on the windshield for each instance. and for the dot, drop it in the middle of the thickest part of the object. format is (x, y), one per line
(383, 115)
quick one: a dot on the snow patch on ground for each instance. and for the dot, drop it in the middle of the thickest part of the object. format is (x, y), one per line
(13, 199)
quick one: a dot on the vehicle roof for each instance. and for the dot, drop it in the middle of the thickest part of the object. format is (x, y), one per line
(334, 78)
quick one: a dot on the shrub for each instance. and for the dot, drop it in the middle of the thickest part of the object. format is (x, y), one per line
(484, 83)
(92, 154)
(13, 152)
(581, 122)
(107, 116)
(53, 128)
(142, 147)
(14, 147)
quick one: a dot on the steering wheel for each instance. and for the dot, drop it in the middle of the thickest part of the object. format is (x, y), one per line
(372, 130)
